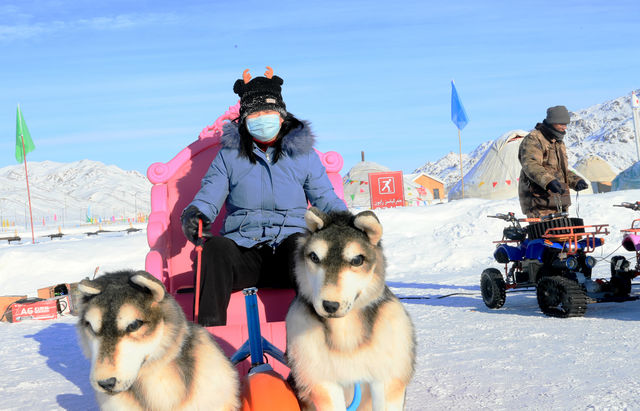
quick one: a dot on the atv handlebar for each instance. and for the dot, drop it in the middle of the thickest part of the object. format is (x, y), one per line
(511, 217)
(554, 215)
(506, 217)
(634, 206)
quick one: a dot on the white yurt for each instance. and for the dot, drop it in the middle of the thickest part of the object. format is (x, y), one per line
(356, 184)
(628, 179)
(496, 174)
(598, 171)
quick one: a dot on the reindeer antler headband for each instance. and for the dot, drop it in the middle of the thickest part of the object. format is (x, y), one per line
(247, 77)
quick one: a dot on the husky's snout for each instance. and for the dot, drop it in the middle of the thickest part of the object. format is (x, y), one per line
(108, 385)
(330, 306)
(333, 309)
(109, 382)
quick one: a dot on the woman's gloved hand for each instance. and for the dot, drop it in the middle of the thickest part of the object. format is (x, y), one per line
(189, 219)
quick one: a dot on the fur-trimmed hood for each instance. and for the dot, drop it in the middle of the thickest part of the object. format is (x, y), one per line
(296, 142)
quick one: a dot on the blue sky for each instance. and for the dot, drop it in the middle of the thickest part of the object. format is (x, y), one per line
(133, 82)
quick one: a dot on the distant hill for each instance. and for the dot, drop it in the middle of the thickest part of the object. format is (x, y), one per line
(604, 129)
(68, 191)
(448, 167)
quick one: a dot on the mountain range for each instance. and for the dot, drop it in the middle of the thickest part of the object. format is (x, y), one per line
(69, 192)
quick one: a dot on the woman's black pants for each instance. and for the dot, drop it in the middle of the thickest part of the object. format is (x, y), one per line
(228, 267)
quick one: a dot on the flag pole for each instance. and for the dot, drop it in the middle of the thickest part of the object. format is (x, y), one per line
(460, 119)
(26, 173)
(635, 104)
(461, 174)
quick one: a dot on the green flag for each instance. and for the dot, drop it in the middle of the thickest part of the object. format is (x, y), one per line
(22, 132)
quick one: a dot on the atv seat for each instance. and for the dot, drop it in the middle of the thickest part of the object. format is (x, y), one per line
(171, 257)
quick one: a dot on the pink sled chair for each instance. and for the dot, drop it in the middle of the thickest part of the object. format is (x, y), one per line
(171, 257)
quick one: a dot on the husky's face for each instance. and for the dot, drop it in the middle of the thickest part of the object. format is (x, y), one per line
(121, 326)
(340, 265)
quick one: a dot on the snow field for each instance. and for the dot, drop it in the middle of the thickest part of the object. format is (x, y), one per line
(469, 357)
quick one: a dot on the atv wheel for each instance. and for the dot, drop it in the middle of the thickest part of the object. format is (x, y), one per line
(561, 297)
(620, 285)
(493, 288)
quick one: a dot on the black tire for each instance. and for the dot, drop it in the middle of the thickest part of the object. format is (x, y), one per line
(493, 288)
(561, 297)
(620, 285)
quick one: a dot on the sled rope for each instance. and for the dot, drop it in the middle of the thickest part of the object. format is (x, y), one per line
(609, 255)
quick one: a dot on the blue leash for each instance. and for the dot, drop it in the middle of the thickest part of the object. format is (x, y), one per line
(357, 396)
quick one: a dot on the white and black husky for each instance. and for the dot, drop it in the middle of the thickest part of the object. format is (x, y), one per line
(144, 354)
(345, 325)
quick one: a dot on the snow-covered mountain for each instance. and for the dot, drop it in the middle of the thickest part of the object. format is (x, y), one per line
(68, 191)
(448, 167)
(604, 129)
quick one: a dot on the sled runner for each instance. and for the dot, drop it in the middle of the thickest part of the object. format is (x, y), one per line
(171, 257)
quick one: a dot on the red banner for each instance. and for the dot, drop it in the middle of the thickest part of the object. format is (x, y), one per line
(387, 189)
(41, 310)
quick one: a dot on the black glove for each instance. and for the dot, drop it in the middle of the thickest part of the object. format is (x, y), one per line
(581, 185)
(555, 187)
(189, 219)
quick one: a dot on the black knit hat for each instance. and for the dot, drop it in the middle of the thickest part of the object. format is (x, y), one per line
(260, 93)
(557, 115)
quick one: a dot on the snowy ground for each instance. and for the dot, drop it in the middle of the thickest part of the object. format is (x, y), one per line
(469, 357)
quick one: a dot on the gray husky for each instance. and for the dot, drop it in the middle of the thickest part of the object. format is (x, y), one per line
(144, 354)
(345, 325)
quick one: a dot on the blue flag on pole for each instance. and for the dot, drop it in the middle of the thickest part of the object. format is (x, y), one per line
(458, 113)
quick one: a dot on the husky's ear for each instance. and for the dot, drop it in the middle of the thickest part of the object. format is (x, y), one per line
(315, 219)
(369, 223)
(146, 280)
(88, 287)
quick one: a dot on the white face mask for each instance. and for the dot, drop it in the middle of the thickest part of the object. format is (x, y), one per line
(264, 128)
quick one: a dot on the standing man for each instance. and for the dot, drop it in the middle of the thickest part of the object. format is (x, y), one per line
(545, 178)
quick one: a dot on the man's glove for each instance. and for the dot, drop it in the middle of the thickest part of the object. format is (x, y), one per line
(555, 187)
(581, 185)
(189, 220)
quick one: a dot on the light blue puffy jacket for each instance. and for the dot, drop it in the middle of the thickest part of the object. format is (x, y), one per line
(266, 202)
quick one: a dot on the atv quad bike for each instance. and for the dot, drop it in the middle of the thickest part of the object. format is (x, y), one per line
(551, 255)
